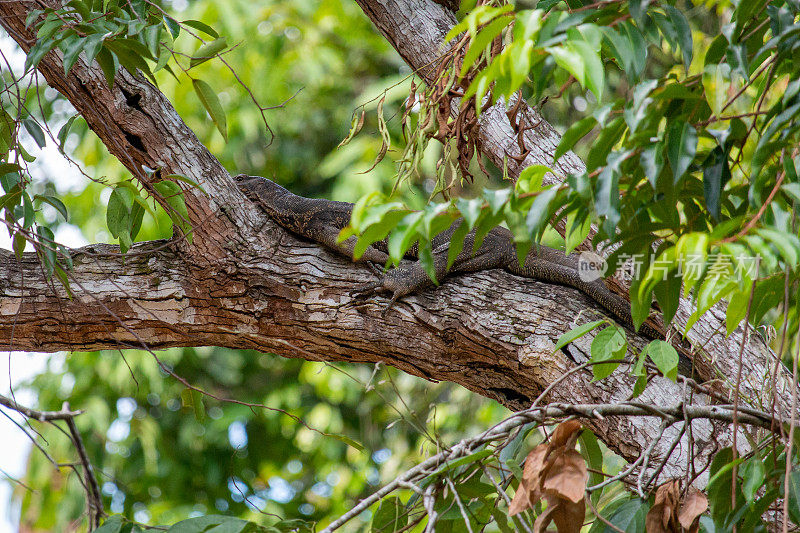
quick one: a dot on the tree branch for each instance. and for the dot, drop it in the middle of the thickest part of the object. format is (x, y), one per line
(246, 283)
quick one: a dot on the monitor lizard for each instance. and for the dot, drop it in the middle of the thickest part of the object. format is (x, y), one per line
(321, 221)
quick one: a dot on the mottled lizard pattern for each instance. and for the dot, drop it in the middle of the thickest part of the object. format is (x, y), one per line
(321, 221)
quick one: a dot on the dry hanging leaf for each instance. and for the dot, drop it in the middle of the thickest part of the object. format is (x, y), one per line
(663, 516)
(568, 516)
(567, 476)
(657, 520)
(529, 493)
(693, 506)
(566, 434)
(559, 471)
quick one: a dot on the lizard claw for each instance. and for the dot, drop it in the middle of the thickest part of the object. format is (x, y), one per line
(372, 288)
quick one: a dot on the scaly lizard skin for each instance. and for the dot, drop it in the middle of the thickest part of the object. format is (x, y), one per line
(321, 221)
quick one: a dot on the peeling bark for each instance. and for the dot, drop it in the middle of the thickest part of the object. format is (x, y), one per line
(247, 283)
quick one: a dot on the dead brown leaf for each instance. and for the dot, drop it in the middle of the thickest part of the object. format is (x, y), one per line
(569, 515)
(529, 491)
(665, 517)
(567, 476)
(557, 470)
(566, 434)
(693, 506)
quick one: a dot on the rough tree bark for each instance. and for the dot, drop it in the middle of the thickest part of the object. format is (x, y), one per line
(246, 283)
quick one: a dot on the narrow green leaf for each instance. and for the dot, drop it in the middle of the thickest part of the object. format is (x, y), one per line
(753, 474)
(574, 133)
(347, 440)
(681, 147)
(173, 196)
(32, 127)
(202, 26)
(684, 34)
(18, 244)
(173, 26)
(208, 97)
(109, 64)
(72, 47)
(55, 202)
(29, 214)
(64, 131)
(539, 213)
(207, 51)
(484, 37)
(716, 173)
(576, 333)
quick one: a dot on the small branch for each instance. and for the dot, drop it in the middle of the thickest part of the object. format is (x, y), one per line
(94, 501)
(41, 416)
(550, 413)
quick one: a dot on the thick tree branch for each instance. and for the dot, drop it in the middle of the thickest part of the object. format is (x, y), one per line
(246, 283)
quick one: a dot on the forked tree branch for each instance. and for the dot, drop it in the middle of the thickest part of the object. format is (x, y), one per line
(246, 283)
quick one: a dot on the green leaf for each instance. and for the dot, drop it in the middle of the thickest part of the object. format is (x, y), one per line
(716, 82)
(539, 213)
(391, 515)
(753, 474)
(32, 127)
(630, 516)
(574, 133)
(32, 16)
(109, 64)
(637, 10)
(189, 181)
(456, 244)
(786, 243)
(202, 26)
(794, 496)
(18, 244)
(47, 249)
(590, 449)
(113, 525)
(665, 357)
(716, 173)
(479, 43)
(576, 230)
(214, 524)
(577, 332)
(29, 214)
(681, 147)
(530, 179)
(173, 196)
(668, 295)
(347, 440)
(173, 26)
(208, 97)
(118, 211)
(568, 58)
(594, 72)
(55, 202)
(427, 262)
(610, 343)
(64, 131)
(207, 51)
(684, 34)
(72, 47)
(601, 147)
